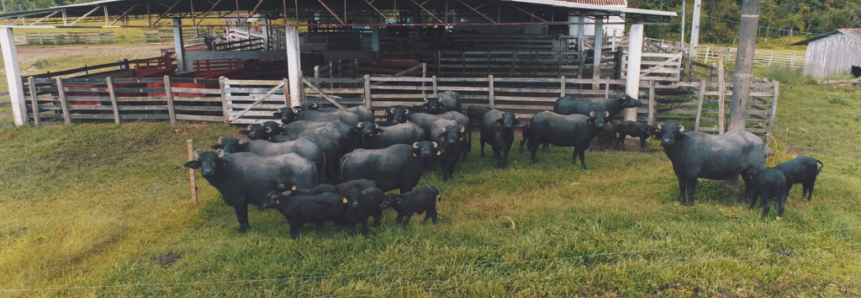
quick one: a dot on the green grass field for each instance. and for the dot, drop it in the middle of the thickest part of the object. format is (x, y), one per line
(87, 208)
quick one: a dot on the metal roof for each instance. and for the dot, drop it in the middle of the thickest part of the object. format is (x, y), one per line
(331, 12)
(854, 33)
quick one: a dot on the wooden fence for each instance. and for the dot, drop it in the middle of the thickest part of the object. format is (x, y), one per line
(60, 38)
(763, 58)
(254, 101)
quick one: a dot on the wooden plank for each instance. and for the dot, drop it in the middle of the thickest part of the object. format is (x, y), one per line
(255, 82)
(195, 90)
(721, 94)
(700, 106)
(33, 101)
(651, 114)
(773, 108)
(272, 91)
(113, 96)
(196, 99)
(327, 97)
(66, 118)
(169, 96)
(199, 118)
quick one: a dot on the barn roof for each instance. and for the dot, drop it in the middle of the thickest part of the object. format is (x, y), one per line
(331, 12)
(854, 33)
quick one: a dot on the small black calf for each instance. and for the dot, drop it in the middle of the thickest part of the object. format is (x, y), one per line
(283, 184)
(770, 184)
(316, 209)
(422, 200)
(364, 204)
(803, 170)
(634, 129)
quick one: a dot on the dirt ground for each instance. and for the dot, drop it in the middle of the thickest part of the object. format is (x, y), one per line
(28, 55)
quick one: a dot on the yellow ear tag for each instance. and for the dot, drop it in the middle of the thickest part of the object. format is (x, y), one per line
(438, 152)
(426, 108)
(498, 124)
(408, 120)
(442, 139)
(344, 200)
(278, 202)
(378, 133)
(294, 187)
(415, 155)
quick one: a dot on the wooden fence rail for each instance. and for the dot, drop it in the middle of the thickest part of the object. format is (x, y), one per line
(60, 38)
(55, 101)
(763, 58)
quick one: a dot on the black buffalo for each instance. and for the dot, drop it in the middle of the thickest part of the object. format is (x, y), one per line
(398, 114)
(425, 121)
(634, 129)
(363, 204)
(284, 184)
(365, 113)
(303, 148)
(315, 209)
(716, 157)
(243, 178)
(476, 112)
(497, 128)
(346, 188)
(770, 184)
(803, 170)
(563, 130)
(372, 136)
(288, 115)
(301, 127)
(450, 137)
(444, 102)
(422, 200)
(396, 167)
(584, 106)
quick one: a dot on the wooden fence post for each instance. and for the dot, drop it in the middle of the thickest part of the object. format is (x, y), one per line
(435, 88)
(286, 90)
(224, 107)
(562, 86)
(424, 75)
(367, 90)
(773, 108)
(169, 94)
(191, 174)
(607, 89)
(490, 91)
(651, 119)
(113, 96)
(35, 103)
(721, 93)
(63, 104)
(700, 105)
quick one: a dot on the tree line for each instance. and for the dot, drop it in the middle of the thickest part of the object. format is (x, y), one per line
(719, 19)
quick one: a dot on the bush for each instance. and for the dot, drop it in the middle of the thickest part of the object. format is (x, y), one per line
(785, 75)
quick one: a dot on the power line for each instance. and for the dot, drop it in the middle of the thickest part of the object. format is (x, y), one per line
(763, 27)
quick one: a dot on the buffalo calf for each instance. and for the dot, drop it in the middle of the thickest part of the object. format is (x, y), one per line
(363, 204)
(803, 170)
(770, 184)
(422, 200)
(316, 209)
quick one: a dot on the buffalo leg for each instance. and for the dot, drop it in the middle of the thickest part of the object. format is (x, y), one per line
(481, 144)
(682, 185)
(643, 144)
(378, 218)
(522, 142)
(546, 146)
(533, 147)
(242, 216)
(803, 190)
(295, 228)
(809, 191)
(400, 218)
(781, 203)
(752, 201)
(748, 186)
(766, 203)
(582, 158)
(407, 219)
(574, 156)
(504, 159)
(467, 148)
(691, 188)
(364, 226)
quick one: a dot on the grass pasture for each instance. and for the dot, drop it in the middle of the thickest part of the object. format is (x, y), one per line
(86, 209)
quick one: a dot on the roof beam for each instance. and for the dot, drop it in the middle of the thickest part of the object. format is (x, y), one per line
(250, 13)
(85, 15)
(526, 12)
(124, 14)
(377, 10)
(45, 17)
(167, 11)
(427, 11)
(476, 11)
(332, 12)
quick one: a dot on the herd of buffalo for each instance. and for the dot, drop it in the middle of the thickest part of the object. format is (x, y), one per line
(330, 164)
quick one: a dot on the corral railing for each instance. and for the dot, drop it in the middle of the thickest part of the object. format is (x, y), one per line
(764, 58)
(60, 38)
(254, 101)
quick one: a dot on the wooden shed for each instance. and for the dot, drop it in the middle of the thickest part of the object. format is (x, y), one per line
(838, 51)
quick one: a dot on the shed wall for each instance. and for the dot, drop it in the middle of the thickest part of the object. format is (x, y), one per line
(832, 54)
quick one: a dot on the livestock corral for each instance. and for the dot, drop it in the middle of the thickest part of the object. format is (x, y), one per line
(291, 159)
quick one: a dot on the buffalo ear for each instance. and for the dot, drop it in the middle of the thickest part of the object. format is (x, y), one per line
(192, 164)
(197, 153)
(681, 128)
(277, 114)
(218, 146)
(243, 132)
(660, 126)
(220, 153)
(462, 129)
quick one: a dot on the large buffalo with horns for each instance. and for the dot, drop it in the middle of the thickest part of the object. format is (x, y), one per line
(372, 136)
(396, 167)
(565, 131)
(243, 178)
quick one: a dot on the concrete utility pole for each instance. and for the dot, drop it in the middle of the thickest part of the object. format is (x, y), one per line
(695, 30)
(744, 64)
(684, 9)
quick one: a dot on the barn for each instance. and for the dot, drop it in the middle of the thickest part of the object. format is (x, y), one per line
(835, 52)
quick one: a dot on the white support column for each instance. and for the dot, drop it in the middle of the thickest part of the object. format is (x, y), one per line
(265, 32)
(178, 46)
(294, 66)
(13, 77)
(599, 40)
(695, 30)
(375, 39)
(632, 79)
(581, 32)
